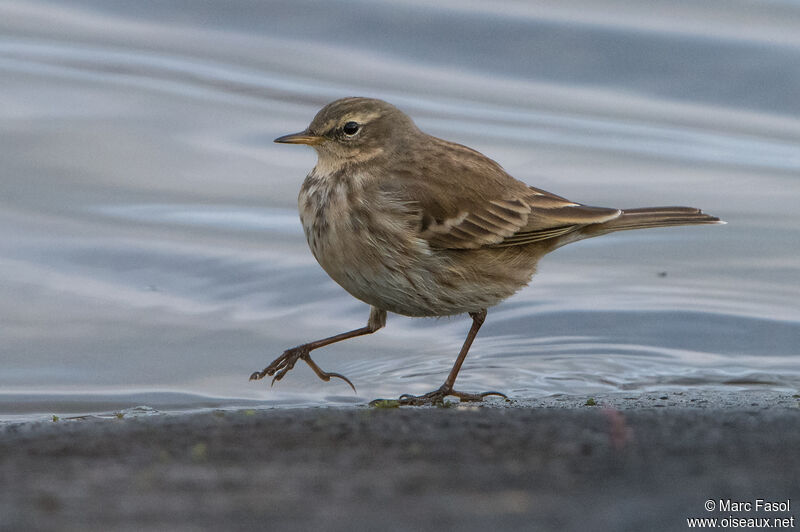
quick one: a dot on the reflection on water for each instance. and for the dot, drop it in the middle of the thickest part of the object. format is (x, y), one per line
(150, 251)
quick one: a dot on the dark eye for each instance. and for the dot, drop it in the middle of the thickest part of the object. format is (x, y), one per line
(350, 128)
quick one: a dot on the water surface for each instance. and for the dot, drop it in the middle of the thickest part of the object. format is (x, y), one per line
(150, 250)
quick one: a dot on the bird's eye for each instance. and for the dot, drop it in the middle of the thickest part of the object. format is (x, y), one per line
(350, 128)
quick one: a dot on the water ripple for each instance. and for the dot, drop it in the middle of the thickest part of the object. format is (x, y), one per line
(149, 239)
(199, 78)
(229, 217)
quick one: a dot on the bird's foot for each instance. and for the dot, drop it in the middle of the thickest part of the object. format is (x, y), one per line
(284, 363)
(437, 397)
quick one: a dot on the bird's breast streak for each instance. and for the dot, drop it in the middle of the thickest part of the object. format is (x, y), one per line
(372, 253)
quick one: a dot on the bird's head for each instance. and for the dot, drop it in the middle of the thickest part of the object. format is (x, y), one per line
(354, 130)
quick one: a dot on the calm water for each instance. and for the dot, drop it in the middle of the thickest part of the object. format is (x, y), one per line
(150, 250)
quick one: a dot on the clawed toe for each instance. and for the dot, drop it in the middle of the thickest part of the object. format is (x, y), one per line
(284, 363)
(437, 397)
(327, 377)
(281, 365)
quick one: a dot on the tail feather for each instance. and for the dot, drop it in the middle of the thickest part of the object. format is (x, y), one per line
(651, 217)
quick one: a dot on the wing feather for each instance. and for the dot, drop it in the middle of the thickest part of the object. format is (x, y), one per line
(467, 201)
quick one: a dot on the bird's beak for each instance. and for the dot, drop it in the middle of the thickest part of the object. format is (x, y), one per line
(303, 137)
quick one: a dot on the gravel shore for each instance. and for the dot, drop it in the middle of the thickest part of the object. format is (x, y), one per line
(626, 462)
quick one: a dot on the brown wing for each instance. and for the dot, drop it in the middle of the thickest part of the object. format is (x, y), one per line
(552, 216)
(467, 201)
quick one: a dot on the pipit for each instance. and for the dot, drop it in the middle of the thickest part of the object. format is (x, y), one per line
(419, 226)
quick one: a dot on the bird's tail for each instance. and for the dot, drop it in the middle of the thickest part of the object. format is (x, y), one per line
(658, 217)
(650, 217)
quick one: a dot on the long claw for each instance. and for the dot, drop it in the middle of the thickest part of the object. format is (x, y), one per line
(324, 375)
(284, 363)
(345, 379)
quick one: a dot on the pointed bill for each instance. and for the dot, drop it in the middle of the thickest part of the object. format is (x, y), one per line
(303, 137)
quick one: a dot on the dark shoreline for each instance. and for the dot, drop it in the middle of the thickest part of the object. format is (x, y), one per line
(634, 462)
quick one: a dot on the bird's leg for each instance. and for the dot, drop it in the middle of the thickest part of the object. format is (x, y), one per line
(281, 365)
(437, 396)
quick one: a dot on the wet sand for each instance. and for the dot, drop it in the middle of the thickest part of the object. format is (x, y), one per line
(631, 462)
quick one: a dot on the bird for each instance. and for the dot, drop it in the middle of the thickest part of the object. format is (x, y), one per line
(419, 226)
